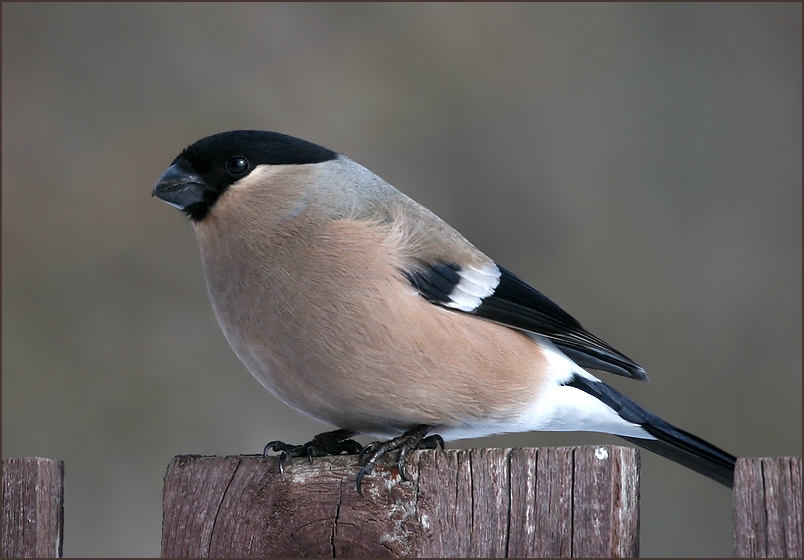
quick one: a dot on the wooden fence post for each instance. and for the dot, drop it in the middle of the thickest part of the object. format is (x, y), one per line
(569, 502)
(767, 508)
(33, 507)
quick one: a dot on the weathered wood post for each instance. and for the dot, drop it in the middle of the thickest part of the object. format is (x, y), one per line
(33, 507)
(566, 502)
(767, 508)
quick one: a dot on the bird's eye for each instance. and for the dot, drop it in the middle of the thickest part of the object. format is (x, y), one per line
(237, 165)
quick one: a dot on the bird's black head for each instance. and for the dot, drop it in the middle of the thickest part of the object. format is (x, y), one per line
(204, 170)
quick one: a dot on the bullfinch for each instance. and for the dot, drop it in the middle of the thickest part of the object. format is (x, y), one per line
(356, 305)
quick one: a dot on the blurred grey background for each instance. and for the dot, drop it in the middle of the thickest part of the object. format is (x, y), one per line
(638, 163)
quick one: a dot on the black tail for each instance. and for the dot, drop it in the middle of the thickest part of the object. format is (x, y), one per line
(688, 450)
(671, 442)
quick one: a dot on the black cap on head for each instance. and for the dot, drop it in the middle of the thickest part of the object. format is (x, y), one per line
(203, 171)
(259, 147)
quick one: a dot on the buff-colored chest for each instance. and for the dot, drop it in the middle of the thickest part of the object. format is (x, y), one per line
(322, 316)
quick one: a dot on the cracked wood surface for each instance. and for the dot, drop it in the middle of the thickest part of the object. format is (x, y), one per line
(565, 502)
(33, 507)
(767, 508)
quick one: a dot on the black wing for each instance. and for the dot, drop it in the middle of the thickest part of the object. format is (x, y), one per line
(515, 304)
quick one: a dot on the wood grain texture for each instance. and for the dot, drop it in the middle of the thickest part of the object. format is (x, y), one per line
(566, 502)
(33, 507)
(767, 508)
(602, 504)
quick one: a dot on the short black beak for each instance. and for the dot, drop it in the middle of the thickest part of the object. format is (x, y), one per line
(180, 187)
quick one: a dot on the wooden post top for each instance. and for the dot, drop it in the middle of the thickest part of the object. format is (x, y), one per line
(568, 502)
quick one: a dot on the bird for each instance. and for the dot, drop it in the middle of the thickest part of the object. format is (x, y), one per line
(357, 306)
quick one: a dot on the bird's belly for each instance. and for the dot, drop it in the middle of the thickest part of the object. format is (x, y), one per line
(333, 329)
(356, 368)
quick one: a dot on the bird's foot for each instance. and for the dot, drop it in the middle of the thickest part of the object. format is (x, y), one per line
(415, 438)
(328, 443)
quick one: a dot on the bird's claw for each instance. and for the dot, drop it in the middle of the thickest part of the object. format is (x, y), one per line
(412, 439)
(328, 443)
(432, 442)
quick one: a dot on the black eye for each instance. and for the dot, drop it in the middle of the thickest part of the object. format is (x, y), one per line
(237, 165)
